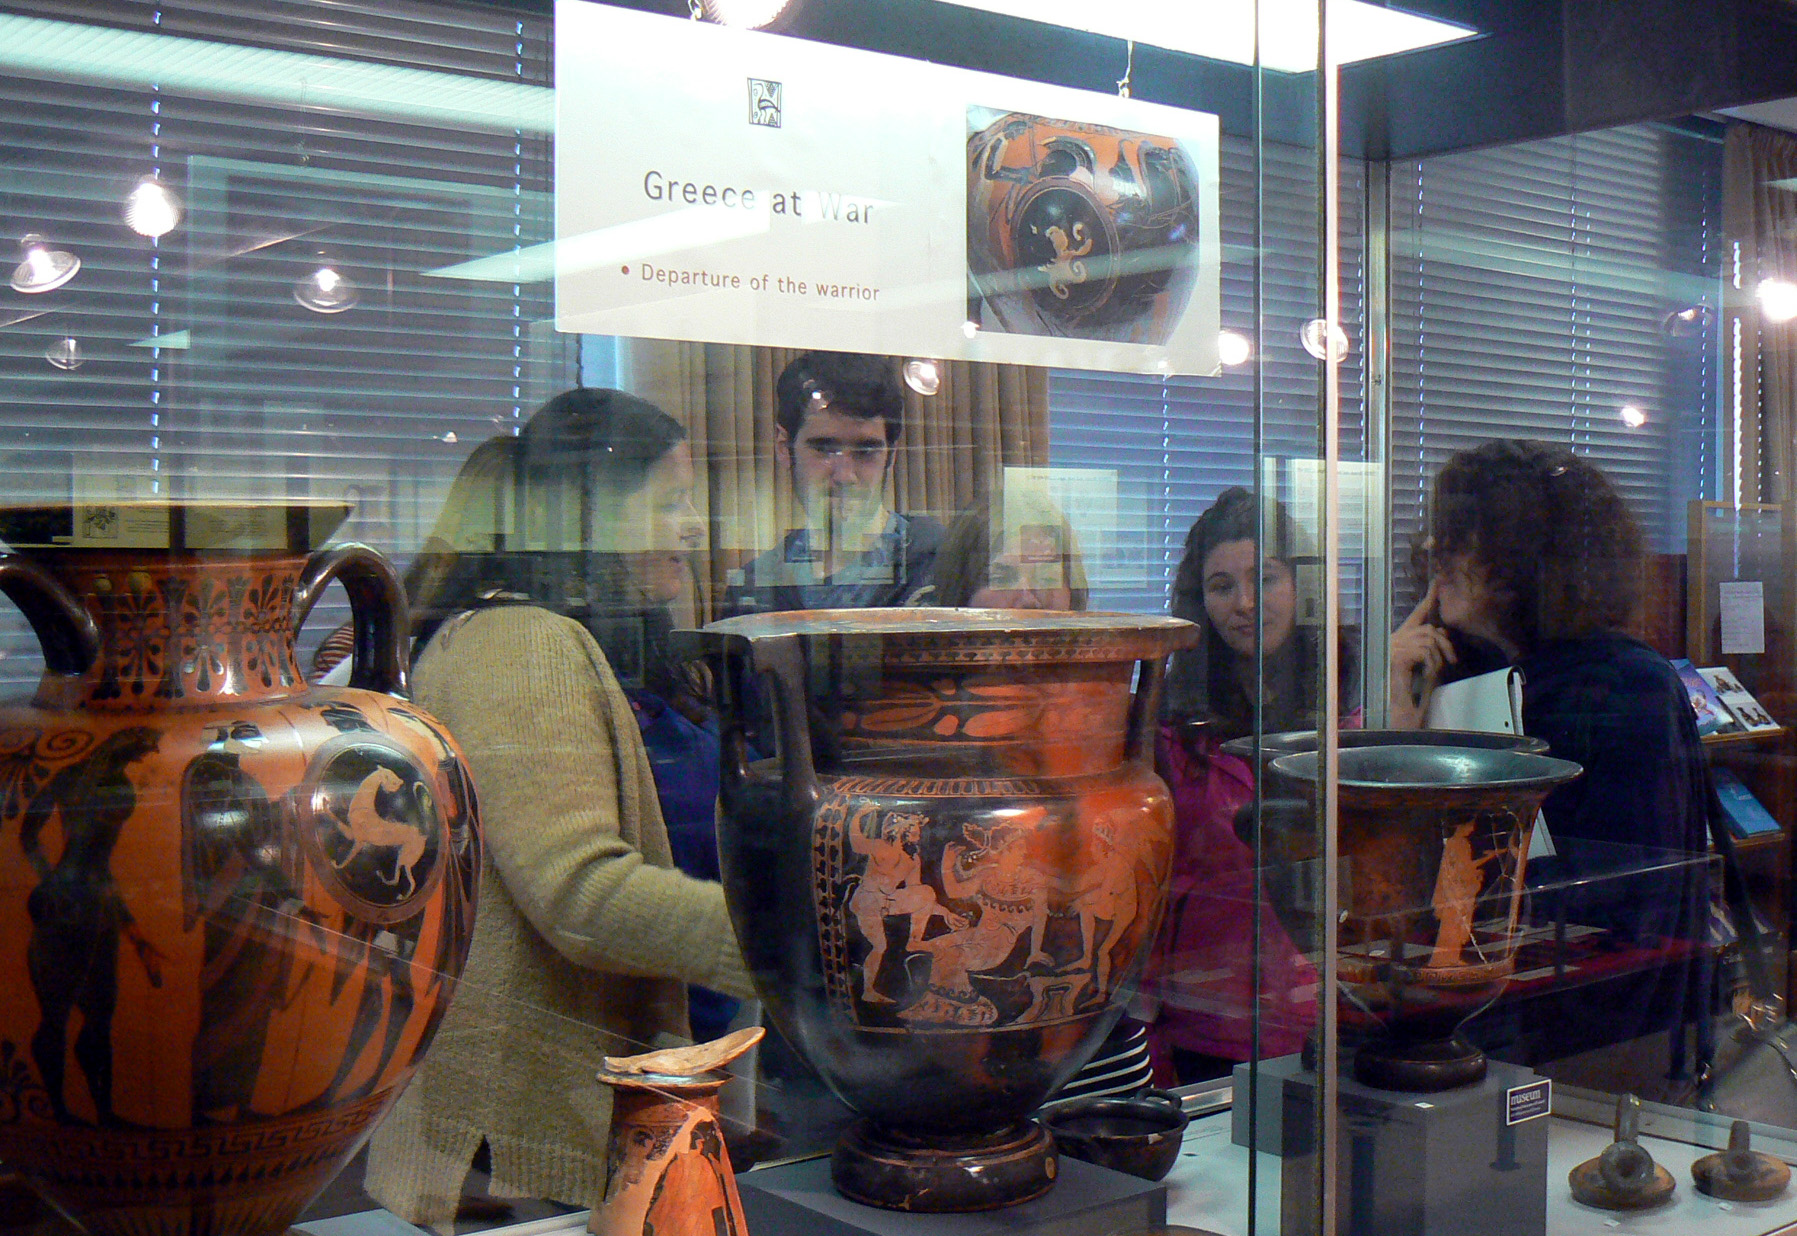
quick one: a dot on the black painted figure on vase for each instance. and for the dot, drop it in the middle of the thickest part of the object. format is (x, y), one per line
(1534, 560)
(838, 422)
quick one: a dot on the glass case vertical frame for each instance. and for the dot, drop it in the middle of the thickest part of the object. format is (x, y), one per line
(1329, 712)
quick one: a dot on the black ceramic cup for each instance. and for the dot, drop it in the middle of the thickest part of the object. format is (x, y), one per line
(1139, 1134)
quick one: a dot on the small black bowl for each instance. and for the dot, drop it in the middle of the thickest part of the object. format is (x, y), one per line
(1139, 1134)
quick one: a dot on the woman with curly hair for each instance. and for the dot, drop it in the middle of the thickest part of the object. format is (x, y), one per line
(1534, 561)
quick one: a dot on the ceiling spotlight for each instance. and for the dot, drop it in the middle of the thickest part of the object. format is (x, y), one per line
(44, 269)
(747, 14)
(152, 208)
(1632, 416)
(325, 290)
(1313, 334)
(1233, 348)
(1778, 299)
(923, 375)
(65, 353)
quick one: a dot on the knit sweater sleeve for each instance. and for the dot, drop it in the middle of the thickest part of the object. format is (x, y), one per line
(568, 804)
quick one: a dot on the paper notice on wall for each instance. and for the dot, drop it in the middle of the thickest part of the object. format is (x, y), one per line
(1742, 604)
(729, 186)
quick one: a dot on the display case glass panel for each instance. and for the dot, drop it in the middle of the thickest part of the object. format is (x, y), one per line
(1296, 492)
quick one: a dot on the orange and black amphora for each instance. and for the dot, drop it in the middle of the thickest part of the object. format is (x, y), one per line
(233, 906)
(949, 876)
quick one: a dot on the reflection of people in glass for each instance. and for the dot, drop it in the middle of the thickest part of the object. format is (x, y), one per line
(1235, 591)
(978, 565)
(588, 933)
(1534, 562)
(838, 422)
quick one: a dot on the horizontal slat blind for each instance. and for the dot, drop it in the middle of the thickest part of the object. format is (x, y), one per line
(203, 375)
(1530, 288)
(1177, 443)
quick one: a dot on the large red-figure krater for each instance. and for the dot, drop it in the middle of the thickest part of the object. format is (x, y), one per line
(950, 874)
(233, 907)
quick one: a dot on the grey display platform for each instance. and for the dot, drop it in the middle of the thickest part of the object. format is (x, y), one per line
(797, 1199)
(1208, 1188)
(1268, 1101)
(1471, 1161)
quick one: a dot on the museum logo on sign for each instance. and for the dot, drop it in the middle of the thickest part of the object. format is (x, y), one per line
(764, 103)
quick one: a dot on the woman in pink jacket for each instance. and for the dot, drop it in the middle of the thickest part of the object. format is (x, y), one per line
(1237, 581)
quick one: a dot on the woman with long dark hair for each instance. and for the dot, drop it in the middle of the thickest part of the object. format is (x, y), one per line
(1256, 664)
(546, 660)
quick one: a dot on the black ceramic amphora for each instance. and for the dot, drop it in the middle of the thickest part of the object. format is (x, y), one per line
(1139, 1134)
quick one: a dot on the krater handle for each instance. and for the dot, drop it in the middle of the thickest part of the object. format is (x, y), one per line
(64, 629)
(1145, 709)
(377, 606)
(780, 660)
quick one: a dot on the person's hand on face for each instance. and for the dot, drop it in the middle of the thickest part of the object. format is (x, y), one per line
(1420, 650)
(1232, 574)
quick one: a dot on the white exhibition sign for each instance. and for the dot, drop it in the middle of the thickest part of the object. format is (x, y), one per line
(729, 186)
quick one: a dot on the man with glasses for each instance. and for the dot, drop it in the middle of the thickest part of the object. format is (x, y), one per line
(838, 420)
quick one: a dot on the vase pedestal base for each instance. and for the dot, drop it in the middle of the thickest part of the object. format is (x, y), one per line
(885, 1167)
(798, 1199)
(1408, 1163)
(1419, 1066)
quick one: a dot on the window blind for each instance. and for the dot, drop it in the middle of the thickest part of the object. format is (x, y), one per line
(202, 373)
(1177, 443)
(1531, 290)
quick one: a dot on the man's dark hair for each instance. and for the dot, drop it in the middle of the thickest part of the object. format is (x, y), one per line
(849, 383)
(1556, 538)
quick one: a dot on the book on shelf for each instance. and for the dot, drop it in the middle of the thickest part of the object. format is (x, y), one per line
(1737, 699)
(1746, 815)
(1713, 715)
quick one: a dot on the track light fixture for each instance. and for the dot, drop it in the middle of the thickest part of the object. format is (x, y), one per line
(152, 208)
(326, 290)
(42, 269)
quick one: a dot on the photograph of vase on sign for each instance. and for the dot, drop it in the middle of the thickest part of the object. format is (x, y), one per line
(1078, 229)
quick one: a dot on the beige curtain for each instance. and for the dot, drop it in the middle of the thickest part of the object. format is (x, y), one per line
(1759, 213)
(956, 444)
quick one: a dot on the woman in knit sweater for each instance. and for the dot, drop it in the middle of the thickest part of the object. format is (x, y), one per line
(588, 933)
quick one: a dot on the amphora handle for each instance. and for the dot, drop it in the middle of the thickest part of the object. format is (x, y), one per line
(378, 613)
(64, 629)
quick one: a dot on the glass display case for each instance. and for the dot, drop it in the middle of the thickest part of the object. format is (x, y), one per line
(891, 617)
